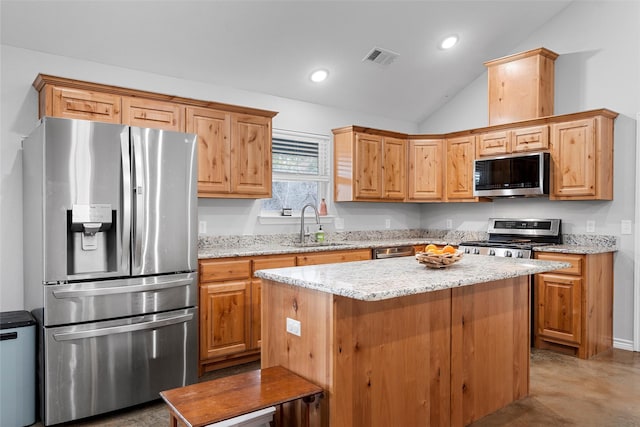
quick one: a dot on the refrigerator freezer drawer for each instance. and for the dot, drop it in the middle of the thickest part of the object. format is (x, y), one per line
(100, 367)
(108, 299)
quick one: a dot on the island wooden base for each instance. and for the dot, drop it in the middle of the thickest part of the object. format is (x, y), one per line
(439, 358)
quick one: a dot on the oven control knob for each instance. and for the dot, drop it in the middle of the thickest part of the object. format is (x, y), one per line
(507, 253)
(476, 251)
(519, 255)
(467, 250)
(492, 252)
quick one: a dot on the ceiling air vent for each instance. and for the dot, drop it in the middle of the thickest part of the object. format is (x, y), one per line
(380, 56)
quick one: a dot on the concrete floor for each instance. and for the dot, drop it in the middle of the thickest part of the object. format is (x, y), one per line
(564, 391)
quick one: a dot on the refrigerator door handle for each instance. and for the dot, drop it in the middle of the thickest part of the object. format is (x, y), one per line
(99, 332)
(74, 293)
(138, 191)
(125, 217)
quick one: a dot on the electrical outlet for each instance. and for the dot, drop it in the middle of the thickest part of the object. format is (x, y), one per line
(387, 223)
(293, 326)
(449, 224)
(625, 226)
(591, 226)
(202, 227)
(338, 223)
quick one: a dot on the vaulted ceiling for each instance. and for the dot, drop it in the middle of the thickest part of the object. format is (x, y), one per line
(272, 46)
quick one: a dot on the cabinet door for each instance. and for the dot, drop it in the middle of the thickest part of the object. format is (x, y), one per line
(535, 138)
(224, 318)
(494, 143)
(426, 169)
(86, 105)
(368, 166)
(152, 114)
(460, 155)
(558, 301)
(250, 155)
(574, 158)
(213, 128)
(395, 164)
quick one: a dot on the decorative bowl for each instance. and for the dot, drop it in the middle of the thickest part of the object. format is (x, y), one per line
(438, 260)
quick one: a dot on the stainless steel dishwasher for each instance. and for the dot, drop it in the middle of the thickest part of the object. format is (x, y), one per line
(393, 252)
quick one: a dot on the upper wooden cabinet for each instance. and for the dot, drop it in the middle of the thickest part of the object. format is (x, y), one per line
(426, 170)
(582, 154)
(369, 165)
(80, 104)
(517, 140)
(234, 153)
(234, 143)
(150, 113)
(521, 86)
(460, 156)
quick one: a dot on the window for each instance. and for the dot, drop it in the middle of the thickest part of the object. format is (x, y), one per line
(300, 165)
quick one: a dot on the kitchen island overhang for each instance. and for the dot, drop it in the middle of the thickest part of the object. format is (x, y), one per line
(395, 343)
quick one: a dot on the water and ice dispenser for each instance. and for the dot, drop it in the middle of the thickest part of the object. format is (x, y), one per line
(91, 239)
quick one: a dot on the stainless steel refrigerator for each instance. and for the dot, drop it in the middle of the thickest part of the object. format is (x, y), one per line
(110, 263)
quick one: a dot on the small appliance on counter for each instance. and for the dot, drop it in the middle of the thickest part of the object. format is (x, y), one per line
(110, 263)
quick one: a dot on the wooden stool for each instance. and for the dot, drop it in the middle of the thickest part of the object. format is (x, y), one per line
(201, 404)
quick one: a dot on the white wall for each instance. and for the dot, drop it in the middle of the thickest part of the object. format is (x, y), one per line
(598, 67)
(18, 116)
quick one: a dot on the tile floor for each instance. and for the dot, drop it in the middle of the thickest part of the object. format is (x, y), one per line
(564, 391)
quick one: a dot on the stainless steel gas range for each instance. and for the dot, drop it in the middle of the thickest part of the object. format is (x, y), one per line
(515, 237)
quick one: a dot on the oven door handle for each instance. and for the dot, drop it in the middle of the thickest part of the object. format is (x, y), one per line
(127, 289)
(112, 330)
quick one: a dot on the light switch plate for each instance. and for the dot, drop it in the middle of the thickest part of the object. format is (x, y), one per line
(387, 223)
(202, 227)
(449, 224)
(625, 226)
(338, 223)
(293, 326)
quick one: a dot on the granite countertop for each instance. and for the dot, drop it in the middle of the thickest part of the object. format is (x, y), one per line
(391, 278)
(275, 248)
(237, 246)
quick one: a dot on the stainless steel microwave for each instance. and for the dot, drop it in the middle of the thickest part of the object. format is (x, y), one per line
(518, 175)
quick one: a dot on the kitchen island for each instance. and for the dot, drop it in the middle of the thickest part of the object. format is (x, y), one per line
(395, 343)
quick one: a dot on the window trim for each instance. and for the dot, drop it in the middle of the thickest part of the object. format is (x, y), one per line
(324, 165)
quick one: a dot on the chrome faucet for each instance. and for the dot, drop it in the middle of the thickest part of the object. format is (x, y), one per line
(302, 233)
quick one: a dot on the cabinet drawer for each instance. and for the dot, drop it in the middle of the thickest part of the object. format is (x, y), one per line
(535, 138)
(273, 262)
(494, 143)
(576, 261)
(334, 257)
(217, 271)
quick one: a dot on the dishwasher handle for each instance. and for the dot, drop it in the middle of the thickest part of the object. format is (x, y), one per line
(393, 252)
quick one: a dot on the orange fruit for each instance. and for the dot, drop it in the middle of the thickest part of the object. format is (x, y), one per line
(430, 248)
(449, 250)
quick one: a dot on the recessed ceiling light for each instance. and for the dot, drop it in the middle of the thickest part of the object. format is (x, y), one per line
(319, 76)
(449, 42)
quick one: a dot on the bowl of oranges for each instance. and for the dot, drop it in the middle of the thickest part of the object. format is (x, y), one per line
(434, 257)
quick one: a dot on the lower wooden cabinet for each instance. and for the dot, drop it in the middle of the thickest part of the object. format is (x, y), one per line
(230, 303)
(573, 307)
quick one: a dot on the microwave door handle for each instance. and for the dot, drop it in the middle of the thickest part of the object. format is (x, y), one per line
(128, 289)
(112, 330)
(125, 216)
(139, 194)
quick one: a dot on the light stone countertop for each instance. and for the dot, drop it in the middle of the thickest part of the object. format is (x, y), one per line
(396, 277)
(256, 245)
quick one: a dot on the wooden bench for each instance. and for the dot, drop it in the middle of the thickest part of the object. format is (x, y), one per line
(205, 403)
